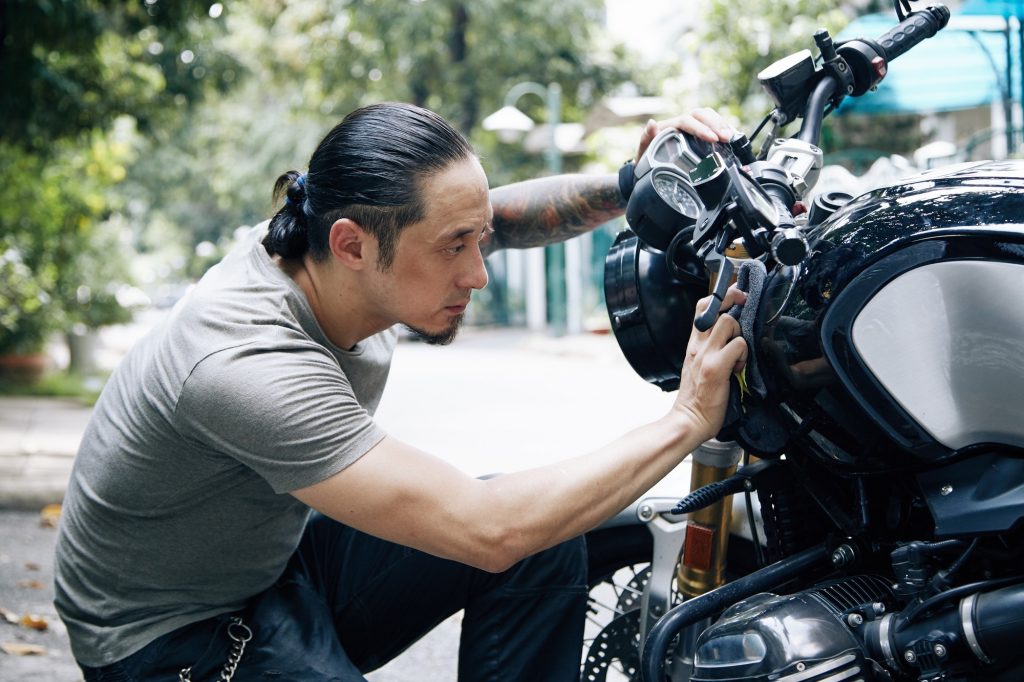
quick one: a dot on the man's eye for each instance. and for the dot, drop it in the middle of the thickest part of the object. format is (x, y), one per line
(455, 250)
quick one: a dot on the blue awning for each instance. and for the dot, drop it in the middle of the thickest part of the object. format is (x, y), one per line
(993, 8)
(962, 67)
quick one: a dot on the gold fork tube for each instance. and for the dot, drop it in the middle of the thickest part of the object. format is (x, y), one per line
(702, 561)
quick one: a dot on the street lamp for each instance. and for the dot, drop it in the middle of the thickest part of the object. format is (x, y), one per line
(510, 120)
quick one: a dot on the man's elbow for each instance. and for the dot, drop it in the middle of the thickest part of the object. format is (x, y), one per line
(499, 550)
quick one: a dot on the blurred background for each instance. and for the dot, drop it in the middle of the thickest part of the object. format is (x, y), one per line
(137, 137)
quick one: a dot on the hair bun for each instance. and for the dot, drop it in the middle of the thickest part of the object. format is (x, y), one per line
(295, 196)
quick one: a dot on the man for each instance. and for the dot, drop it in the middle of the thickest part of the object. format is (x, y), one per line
(187, 548)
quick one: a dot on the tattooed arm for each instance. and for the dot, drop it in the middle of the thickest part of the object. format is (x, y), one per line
(553, 209)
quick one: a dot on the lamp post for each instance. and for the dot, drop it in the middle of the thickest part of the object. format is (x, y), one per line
(509, 119)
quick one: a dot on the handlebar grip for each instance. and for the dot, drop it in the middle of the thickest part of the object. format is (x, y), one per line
(912, 30)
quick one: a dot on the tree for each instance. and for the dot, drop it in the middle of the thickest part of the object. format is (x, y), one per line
(740, 40)
(303, 64)
(49, 209)
(73, 66)
(71, 69)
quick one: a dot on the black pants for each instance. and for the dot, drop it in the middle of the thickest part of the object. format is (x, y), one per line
(348, 603)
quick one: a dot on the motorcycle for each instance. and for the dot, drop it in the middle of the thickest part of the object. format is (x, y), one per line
(878, 418)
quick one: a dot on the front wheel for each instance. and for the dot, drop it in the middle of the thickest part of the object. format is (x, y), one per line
(619, 563)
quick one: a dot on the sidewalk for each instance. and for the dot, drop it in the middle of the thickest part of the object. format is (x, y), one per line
(38, 441)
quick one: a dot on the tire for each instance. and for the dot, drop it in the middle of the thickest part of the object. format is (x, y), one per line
(619, 563)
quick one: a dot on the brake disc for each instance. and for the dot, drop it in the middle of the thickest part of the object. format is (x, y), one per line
(618, 641)
(633, 591)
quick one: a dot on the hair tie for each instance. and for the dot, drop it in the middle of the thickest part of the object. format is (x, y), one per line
(301, 183)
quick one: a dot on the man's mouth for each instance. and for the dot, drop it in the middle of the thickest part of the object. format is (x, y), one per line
(457, 309)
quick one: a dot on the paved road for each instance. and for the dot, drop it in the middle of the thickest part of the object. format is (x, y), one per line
(491, 402)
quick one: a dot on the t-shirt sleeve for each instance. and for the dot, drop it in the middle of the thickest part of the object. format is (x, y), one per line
(290, 415)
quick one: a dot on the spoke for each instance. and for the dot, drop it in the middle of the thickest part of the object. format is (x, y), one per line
(632, 590)
(614, 609)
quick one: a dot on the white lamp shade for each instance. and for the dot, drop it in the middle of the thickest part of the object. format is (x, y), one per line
(510, 119)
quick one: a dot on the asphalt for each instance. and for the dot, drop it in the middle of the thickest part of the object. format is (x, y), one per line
(496, 400)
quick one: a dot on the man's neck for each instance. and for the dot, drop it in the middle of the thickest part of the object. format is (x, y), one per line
(337, 307)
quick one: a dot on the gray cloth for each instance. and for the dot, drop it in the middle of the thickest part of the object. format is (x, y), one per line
(177, 509)
(750, 280)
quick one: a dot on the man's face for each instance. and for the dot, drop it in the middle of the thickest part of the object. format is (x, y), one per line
(438, 262)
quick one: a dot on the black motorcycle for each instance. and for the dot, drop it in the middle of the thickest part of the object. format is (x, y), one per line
(881, 413)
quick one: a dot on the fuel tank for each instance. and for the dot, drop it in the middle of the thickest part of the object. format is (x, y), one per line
(900, 339)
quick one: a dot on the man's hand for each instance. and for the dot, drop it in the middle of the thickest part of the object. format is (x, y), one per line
(705, 124)
(711, 358)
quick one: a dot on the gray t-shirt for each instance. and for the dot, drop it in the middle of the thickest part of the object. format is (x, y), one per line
(177, 509)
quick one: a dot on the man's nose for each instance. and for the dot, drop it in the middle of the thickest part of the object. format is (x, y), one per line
(475, 275)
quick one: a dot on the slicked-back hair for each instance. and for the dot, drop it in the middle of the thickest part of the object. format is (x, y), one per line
(369, 168)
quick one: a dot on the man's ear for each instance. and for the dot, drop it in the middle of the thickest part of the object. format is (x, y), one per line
(349, 243)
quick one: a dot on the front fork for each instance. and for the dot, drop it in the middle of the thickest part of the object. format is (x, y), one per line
(690, 550)
(695, 551)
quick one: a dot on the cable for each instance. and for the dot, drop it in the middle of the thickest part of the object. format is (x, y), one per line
(902, 8)
(758, 550)
(762, 124)
(970, 588)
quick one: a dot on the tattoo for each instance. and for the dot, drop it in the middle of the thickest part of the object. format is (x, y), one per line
(548, 210)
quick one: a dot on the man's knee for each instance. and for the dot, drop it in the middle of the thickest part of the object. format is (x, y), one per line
(564, 565)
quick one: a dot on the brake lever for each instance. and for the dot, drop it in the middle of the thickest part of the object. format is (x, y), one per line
(715, 261)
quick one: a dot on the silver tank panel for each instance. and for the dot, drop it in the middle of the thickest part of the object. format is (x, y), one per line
(947, 341)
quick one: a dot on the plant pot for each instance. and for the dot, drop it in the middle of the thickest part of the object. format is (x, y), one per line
(23, 369)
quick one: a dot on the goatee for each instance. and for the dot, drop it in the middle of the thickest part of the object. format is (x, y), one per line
(442, 338)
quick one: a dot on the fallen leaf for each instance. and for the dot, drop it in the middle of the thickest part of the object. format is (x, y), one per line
(19, 649)
(49, 516)
(32, 566)
(34, 622)
(9, 616)
(31, 584)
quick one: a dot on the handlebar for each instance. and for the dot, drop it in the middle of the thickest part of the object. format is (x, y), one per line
(916, 27)
(862, 64)
(729, 192)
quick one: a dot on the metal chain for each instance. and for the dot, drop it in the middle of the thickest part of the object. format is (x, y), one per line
(240, 635)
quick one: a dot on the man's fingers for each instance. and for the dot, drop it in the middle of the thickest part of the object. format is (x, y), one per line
(713, 120)
(733, 296)
(737, 345)
(703, 123)
(646, 137)
(725, 328)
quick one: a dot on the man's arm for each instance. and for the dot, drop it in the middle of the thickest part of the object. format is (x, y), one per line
(404, 495)
(553, 209)
(548, 210)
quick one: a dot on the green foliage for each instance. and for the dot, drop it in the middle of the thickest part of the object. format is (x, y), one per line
(50, 210)
(24, 320)
(741, 39)
(453, 56)
(72, 66)
(220, 103)
(83, 389)
(303, 64)
(71, 69)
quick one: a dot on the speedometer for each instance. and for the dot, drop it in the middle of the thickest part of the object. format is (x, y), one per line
(678, 193)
